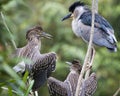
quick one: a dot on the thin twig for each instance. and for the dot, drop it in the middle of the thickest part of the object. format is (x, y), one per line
(90, 65)
(5, 88)
(4, 22)
(96, 6)
(88, 51)
(117, 92)
(92, 53)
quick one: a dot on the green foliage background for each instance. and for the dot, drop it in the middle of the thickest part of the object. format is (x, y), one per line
(20, 15)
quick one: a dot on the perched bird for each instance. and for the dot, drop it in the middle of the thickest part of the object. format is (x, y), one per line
(81, 26)
(89, 86)
(68, 87)
(41, 65)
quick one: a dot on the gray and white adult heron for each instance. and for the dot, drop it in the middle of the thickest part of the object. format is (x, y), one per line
(81, 26)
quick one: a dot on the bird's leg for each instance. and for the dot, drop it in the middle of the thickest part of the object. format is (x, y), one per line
(91, 58)
(36, 93)
(31, 93)
(87, 66)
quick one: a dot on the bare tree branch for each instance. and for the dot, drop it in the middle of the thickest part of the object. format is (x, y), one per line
(117, 92)
(88, 51)
(92, 53)
(96, 6)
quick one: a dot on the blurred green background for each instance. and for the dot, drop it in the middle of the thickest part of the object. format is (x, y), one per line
(20, 15)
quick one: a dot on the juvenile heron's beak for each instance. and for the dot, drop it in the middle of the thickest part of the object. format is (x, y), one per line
(46, 35)
(67, 16)
(69, 63)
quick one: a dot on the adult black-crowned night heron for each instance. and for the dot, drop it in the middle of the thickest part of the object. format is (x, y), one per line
(68, 87)
(81, 25)
(41, 65)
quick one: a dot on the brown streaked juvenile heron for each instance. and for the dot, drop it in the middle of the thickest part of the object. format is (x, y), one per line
(68, 87)
(41, 65)
(81, 26)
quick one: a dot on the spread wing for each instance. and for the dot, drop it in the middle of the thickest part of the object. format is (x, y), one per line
(51, 68)
(44, 61)
(89, 86)
(56, 87)
(16, 52)
(40, 69)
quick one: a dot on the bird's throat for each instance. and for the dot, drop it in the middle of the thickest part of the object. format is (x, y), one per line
(35, 43)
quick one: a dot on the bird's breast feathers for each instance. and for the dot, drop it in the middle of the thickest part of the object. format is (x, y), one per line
(76, 27)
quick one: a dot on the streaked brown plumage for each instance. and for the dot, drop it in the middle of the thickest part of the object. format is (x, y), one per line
(89, 86)
(68, 87)
(57, 87)
(41, 73)
(41, 64)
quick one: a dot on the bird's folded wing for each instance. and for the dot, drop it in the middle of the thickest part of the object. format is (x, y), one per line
(100, 22)
(56, 87)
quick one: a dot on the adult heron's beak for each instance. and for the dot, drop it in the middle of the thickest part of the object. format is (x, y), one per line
(46, 35)
(67, 16)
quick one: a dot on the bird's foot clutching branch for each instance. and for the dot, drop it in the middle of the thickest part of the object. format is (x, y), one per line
(91, 58)
(88, 67)
(35, 93)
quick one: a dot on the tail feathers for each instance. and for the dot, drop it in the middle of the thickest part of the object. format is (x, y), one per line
(114, 49)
